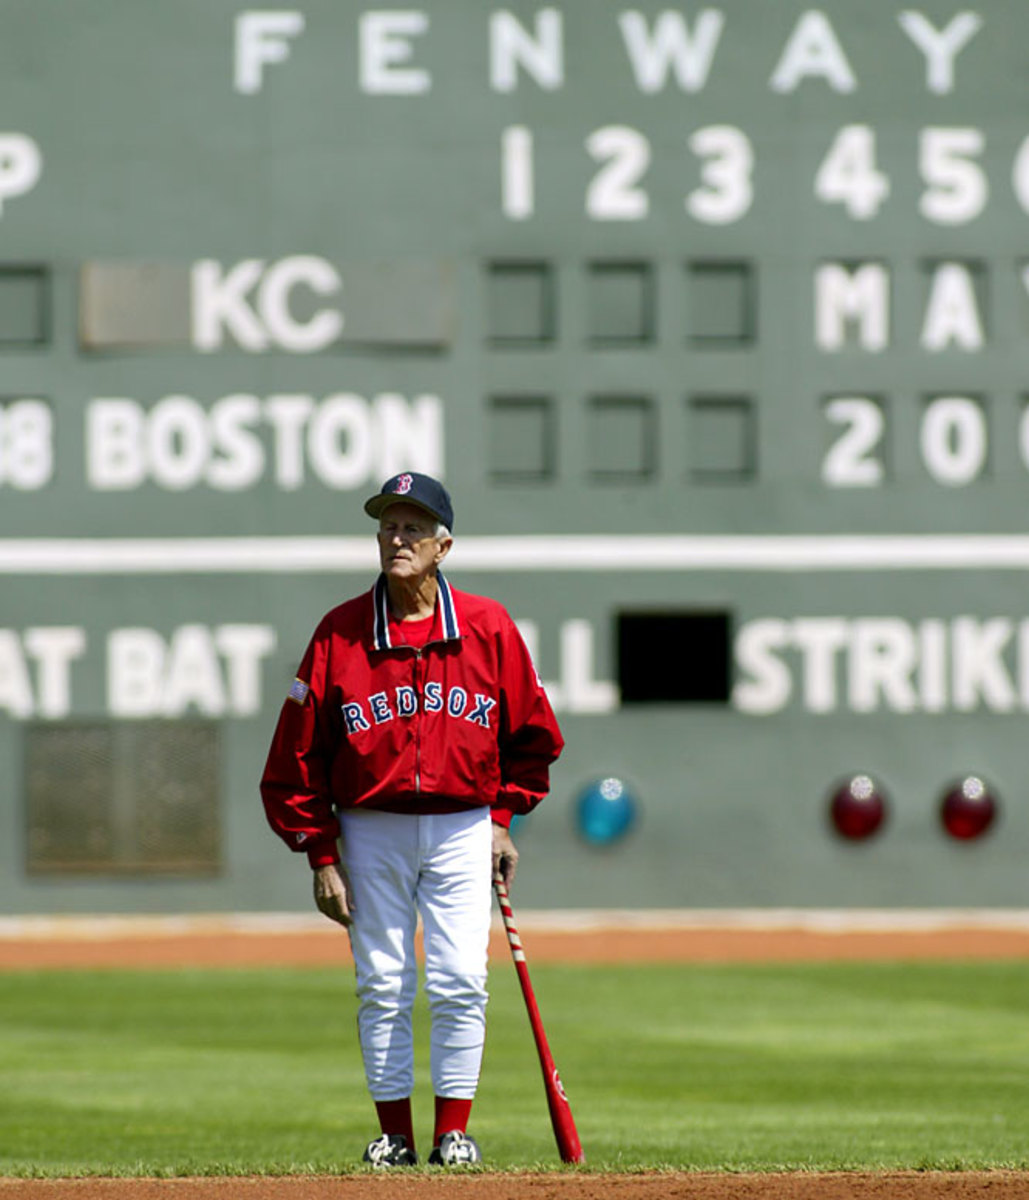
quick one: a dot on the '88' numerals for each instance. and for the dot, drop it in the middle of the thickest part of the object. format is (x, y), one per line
(26, 445)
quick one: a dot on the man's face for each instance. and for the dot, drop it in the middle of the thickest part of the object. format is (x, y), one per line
(408, 546)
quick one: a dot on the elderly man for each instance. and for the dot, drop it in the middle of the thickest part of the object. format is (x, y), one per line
(415, 728)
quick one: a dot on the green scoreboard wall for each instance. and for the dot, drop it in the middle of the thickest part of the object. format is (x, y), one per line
(713, 319)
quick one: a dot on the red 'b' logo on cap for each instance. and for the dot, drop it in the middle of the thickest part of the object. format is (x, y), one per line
(403, 485)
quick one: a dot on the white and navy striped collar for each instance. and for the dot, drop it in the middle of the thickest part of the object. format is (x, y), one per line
(444, 607)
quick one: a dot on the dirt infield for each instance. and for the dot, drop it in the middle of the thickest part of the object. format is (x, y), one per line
(307, 946)
(998, 1185)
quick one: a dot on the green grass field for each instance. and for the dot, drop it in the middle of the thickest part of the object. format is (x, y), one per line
(732, 1068)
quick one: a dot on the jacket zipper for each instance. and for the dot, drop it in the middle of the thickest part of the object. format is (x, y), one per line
(417, 725)
(419, 655)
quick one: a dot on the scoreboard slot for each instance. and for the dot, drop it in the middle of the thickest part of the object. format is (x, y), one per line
(674, 657)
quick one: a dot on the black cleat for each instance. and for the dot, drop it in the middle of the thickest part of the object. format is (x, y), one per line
(390, 1150)
(455, 1150)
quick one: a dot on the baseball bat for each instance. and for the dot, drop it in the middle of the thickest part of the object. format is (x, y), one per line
(565, 1133)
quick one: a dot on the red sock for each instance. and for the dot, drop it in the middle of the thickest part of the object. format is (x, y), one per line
(395, 1117)
(451, 1115)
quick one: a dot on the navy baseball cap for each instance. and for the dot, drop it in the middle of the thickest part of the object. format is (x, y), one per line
(411, 488)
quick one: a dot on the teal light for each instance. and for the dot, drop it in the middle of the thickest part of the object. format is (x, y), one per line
(605, 812)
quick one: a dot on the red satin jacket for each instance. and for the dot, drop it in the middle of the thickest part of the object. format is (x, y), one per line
(462, 721)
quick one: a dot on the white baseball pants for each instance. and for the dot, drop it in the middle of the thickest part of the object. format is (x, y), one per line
(440, 866)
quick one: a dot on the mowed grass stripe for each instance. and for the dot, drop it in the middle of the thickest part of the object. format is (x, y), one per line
(825, 1066)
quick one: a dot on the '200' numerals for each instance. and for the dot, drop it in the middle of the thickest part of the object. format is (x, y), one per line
(953, 441)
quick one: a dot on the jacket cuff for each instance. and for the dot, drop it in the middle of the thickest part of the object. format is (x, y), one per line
(323, 854)
(501, 816)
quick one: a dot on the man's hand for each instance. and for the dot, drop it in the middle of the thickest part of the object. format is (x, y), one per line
(505, 855)
(332, 894)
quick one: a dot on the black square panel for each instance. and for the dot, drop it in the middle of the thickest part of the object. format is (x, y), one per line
(674, 657)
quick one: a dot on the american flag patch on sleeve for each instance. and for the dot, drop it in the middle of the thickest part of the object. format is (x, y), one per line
(298, 691)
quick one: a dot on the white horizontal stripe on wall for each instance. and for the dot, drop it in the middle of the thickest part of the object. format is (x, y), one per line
(551, 552)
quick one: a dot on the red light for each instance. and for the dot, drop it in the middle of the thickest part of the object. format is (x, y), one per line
(857, 808)
(968, 809)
